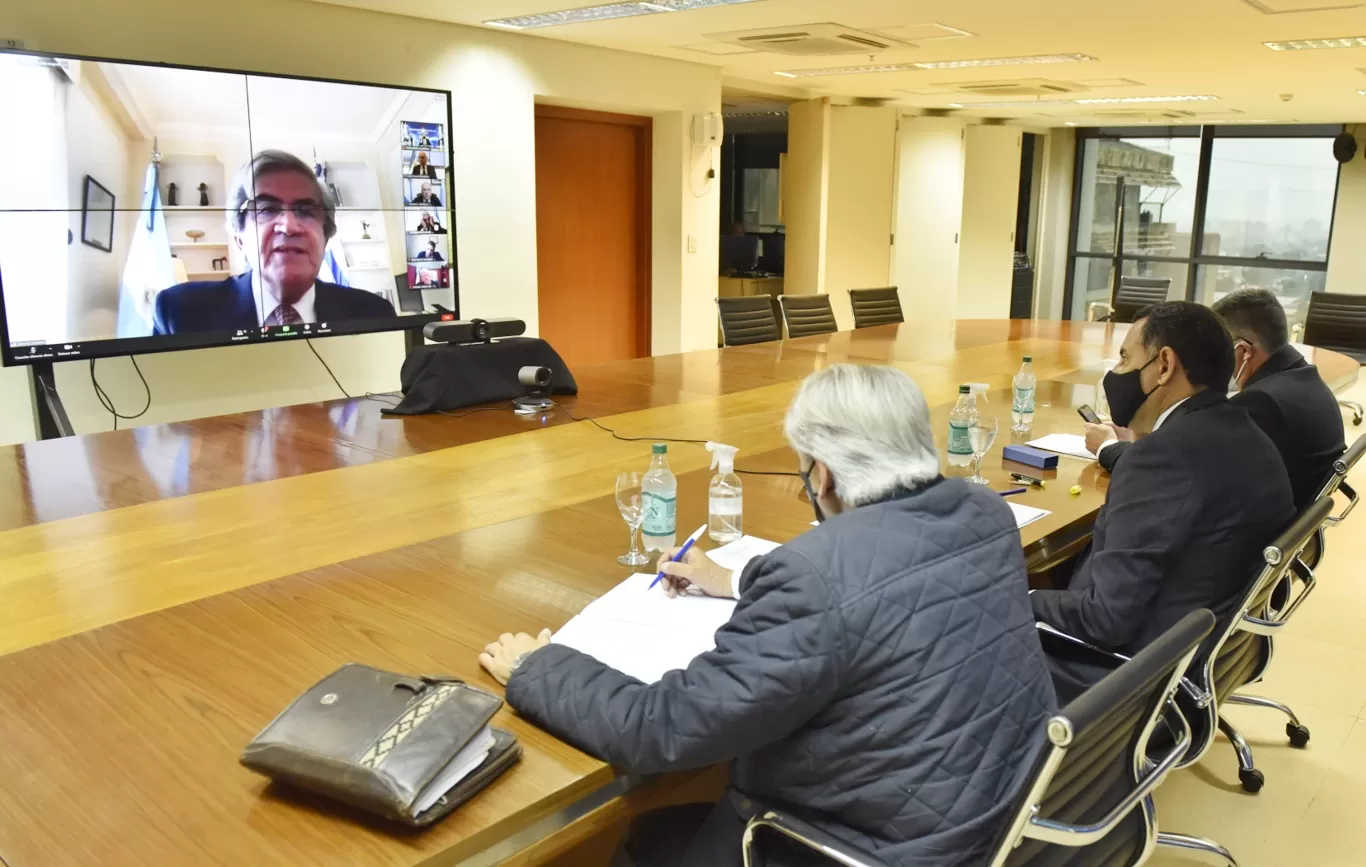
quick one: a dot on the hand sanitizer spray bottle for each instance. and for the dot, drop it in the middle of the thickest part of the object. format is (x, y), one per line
(725, 500)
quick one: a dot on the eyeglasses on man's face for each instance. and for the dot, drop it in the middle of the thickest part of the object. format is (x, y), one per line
(266, 210)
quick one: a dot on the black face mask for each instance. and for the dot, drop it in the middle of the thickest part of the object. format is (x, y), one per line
(1124, 392)
(811, 493)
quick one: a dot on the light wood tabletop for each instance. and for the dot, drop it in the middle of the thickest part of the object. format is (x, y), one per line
(167, 590)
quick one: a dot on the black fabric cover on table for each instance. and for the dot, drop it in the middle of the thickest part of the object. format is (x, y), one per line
(448, 376)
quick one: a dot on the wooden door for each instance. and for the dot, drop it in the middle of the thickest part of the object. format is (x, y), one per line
(593, 233)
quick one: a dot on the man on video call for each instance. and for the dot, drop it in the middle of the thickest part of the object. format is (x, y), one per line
(281, 218)
(425, 196)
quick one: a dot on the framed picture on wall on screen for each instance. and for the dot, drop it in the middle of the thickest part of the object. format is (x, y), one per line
(97, 216)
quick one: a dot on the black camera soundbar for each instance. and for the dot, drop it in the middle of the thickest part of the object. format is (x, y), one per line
(473, 330)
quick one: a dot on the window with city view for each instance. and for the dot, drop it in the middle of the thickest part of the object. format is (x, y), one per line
(1267, 205)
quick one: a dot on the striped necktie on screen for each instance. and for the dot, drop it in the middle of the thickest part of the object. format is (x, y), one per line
(285, 314)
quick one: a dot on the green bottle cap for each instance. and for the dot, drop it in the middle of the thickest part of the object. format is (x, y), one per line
(1029, 358)
(964, 389)
(660, 448)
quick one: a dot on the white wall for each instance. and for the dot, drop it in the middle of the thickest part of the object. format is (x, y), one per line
(1347, 255)
(929, 212)
(862, 168)
(496, 79)
(95, 146)
(991, 187)
(806, 181)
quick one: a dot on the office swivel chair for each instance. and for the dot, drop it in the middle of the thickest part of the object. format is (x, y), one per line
(1133, 295)
(807, 315)
(1241, 651)
(748, 319)
(1338, 322)
(875, 307)
(1088, 784)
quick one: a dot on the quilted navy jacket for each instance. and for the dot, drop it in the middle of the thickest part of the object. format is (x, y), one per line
(881, 674)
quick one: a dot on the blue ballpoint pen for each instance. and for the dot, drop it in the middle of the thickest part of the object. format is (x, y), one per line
(682, 552)
(1012, 492)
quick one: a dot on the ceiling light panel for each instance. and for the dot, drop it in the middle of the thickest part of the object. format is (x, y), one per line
(935, 64)
(1005, 61)
(605, 12)
(1307, 44)
(1119, 99)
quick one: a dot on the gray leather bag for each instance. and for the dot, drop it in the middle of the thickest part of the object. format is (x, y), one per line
(377, 740)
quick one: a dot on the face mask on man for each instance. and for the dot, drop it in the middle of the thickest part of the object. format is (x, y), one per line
(811, 493)
(1125, 394)
(1233, 385)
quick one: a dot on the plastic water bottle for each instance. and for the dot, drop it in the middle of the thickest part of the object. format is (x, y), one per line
(725, 498)
(1022, 407)
(960, 422)
(659, 493)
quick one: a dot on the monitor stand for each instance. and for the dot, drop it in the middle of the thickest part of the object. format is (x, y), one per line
(412, 339)
(49, 415)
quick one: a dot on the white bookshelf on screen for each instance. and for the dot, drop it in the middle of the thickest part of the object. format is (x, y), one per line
(212, 256)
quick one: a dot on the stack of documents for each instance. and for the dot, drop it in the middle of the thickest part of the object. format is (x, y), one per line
(643, 633)
(1073, 445)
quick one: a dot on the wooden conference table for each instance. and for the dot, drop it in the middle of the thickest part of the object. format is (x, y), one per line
(165, 591)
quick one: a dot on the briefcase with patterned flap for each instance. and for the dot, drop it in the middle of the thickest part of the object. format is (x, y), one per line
(408, 748)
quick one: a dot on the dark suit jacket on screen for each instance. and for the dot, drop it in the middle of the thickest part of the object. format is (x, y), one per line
(229, 305)
(1188, 512)
(1288, 400)
(434, 200)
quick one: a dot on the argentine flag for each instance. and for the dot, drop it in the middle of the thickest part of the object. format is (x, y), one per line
(149, 268)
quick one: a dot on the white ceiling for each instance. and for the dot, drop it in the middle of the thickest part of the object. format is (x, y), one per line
(1150, 48)
(167, 101)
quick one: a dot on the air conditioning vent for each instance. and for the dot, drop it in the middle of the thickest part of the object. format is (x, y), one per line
(810, 40)
(1020, 88)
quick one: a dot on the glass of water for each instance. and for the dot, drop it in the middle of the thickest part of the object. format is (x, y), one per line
(982, 434)
(632, 507)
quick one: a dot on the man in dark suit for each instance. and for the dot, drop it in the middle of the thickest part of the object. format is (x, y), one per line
(281, 219)
(1190, 507)
(421, 168)
(425, 196)
(1282, 392)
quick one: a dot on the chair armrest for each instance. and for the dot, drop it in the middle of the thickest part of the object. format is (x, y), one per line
(1351, 503)
(808, 835)
(1093, 306)
(1063, 834)
(1278, 620)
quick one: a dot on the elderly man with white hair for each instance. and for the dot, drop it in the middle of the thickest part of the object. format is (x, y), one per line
(881, 676)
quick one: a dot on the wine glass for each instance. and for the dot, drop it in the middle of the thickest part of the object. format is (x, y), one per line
(632, 507)
(982, 434)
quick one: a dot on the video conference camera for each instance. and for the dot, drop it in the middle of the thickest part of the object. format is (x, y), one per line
(537, 381)
(473, 330)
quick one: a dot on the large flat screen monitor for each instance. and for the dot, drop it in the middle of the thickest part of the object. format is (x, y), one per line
(147, 207)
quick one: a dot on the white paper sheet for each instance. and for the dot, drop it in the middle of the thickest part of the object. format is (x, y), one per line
(644, 633)
(1073, 445)
(457, 769)
(1026, 514)
(736, 555)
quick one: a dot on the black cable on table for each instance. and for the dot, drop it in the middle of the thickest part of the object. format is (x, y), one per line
(108, 402)
(603, 427)
(325, 367)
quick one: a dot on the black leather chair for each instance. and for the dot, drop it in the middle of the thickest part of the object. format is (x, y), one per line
(1133, 295)
(808, 315)
(748, 319)
(1338, 322)
(1242, 649)
(875, 307)
(1088, 785)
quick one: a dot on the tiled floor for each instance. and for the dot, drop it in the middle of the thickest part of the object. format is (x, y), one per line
(1312, 811)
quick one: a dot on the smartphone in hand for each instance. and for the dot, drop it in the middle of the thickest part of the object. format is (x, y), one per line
(1088, 414)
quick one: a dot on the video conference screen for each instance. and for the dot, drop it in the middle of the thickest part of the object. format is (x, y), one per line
(145, 207)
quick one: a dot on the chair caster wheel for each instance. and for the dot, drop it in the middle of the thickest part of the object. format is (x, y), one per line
(1252, 781)
(1299, 735)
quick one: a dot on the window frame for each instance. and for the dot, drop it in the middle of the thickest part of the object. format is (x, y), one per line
(1194, 260)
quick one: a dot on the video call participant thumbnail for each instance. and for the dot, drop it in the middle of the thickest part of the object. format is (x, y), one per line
(429, 224)
(425, 196)
(421, 168)
(282, 230)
